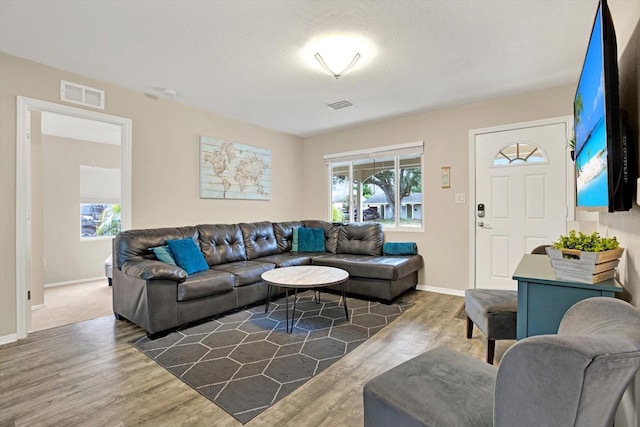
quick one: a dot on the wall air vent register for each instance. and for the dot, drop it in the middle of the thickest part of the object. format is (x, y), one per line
(338, 105)
(82, 95)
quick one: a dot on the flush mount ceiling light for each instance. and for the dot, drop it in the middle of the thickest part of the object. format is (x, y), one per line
(336, 75)
(338, 54)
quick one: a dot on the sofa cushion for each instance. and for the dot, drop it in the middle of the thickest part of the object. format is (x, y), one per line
(373, 267)
(246, 272)
(311, 239)
(187, 255)
(204, 284)
(287, 259)
(284, 234)
(259, 239)
(330, 233)
(221, 243)
(360, 239)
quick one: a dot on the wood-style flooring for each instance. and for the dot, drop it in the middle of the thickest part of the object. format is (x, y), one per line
(87, 374)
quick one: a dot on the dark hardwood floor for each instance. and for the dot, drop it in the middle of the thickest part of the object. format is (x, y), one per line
(87, 374)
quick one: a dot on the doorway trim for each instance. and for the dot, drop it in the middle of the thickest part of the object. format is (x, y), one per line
(24, 106)
(570, 190)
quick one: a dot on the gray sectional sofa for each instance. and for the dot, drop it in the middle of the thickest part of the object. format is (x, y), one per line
(158, 296)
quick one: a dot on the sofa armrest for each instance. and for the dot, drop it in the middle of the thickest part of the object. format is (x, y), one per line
(152, 269)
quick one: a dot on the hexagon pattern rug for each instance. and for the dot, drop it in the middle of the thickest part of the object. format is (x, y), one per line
(245, 361)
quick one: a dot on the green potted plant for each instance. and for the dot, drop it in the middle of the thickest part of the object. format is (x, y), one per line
(587, 258)
(578, 242)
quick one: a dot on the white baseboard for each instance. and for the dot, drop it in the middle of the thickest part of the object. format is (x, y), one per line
(8, 339)
(73, 282)
(446, 291)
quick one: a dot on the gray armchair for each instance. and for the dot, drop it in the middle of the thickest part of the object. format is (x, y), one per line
(574, 378)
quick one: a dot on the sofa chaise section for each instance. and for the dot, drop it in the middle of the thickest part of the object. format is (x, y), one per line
(358, 250)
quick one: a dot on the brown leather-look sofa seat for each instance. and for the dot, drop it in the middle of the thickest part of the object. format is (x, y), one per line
(158, 296)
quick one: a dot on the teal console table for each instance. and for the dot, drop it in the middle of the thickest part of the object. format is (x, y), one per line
(543, 300)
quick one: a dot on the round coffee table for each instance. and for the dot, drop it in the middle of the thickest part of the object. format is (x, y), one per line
(304, 277)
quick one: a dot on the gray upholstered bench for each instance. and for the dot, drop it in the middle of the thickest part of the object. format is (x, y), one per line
(494, 312)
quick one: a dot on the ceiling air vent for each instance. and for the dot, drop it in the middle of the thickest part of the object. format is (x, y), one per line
(83, 95)
(338, 105)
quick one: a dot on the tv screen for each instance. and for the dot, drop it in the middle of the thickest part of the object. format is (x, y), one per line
(592, 184)
(599, 153)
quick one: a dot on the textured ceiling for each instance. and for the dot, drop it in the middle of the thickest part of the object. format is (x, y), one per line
(245, 59)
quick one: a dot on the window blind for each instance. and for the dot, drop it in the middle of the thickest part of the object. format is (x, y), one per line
(99, 185)
(415, 148)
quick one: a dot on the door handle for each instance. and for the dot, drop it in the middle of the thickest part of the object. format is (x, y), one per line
(481, 224)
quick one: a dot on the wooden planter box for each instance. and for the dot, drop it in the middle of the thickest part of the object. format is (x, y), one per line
(584, 267)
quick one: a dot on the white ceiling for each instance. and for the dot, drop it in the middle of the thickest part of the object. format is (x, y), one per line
(244, 59)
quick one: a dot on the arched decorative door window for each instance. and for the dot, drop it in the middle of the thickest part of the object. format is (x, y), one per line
(519, 153)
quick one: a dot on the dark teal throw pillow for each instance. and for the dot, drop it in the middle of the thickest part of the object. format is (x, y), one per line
(163, 253)
(310, 239)
(188, 255)
(400, 248)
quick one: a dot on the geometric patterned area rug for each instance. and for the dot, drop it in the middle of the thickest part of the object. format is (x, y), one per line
(245, 361)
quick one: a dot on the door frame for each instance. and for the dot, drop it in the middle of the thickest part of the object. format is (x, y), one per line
(570, 190)
(23, 190)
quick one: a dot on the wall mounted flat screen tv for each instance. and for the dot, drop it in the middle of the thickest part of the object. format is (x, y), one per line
(600, 146)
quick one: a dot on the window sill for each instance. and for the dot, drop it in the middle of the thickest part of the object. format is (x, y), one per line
(96, 238)
(404, 229)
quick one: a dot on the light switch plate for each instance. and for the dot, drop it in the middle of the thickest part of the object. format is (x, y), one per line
(460, 198)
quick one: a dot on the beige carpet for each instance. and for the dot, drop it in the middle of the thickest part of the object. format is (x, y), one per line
(68, 304)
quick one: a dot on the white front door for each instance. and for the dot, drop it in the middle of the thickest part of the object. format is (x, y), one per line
(521, 198)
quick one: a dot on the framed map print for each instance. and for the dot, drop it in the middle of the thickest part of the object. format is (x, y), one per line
(230, 170)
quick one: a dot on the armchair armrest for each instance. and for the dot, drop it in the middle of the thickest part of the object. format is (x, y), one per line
(152, 269)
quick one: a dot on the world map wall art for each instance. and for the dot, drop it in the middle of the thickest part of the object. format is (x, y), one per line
(230, 170)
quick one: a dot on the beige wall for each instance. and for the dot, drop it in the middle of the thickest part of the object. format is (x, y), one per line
(69, 258)
(626, 225)
(445, 241)
(164, 163)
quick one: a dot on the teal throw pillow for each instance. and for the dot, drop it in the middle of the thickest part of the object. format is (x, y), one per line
(188, 255)
(163, 253)
(310, 239)
(294, 243)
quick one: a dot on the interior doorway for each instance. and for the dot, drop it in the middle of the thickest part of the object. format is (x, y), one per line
(27, 221)
(521, 195)
(73, 303)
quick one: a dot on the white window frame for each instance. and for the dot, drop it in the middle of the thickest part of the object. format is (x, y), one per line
(395, 151)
